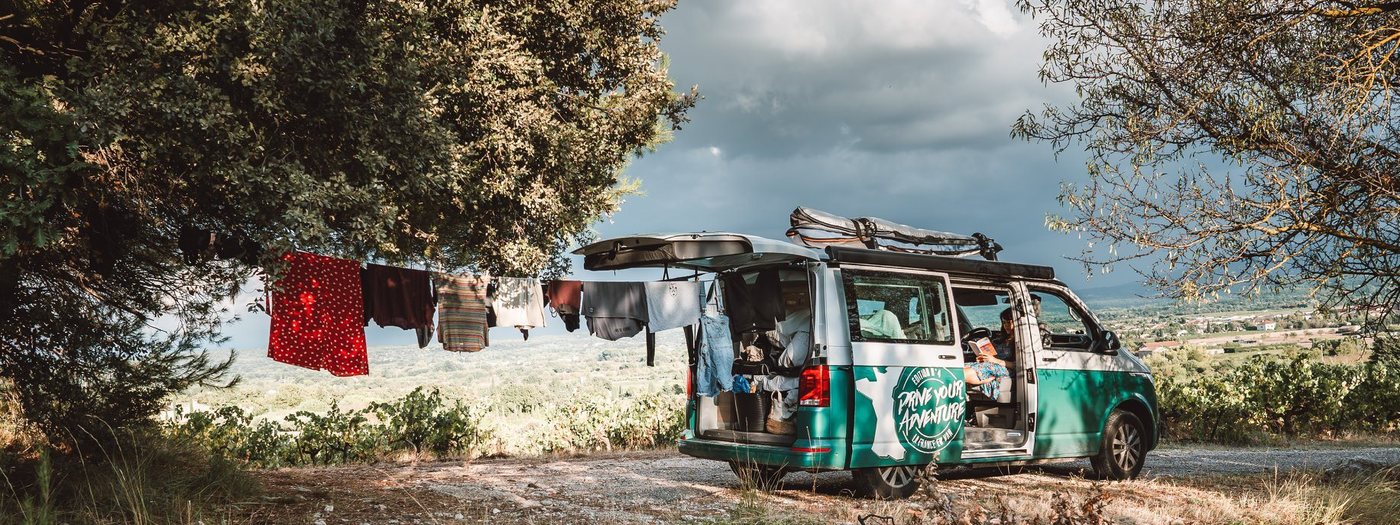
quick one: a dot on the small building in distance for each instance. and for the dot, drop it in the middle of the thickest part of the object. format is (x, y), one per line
(1155, 347)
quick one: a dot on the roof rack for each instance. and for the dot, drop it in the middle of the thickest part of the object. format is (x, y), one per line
(818, 229)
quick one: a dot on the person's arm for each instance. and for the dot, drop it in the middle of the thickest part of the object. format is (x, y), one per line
(990, 359)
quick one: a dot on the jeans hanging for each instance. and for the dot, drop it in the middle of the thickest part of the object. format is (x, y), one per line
(715, 371)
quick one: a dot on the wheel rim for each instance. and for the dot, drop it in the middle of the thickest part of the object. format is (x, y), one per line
(1127, 447)
(896, 476)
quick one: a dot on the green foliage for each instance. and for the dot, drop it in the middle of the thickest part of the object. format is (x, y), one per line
(333, 438)
(423, 423)
(589, 423)
(1295, 395)
(1246, 146)
(1386, 351)
(465, 134)
(232, 433)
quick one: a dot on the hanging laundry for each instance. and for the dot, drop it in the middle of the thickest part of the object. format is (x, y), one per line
(400, 297)
(518, 302)
(462, 311)
(715, 370)
(490, 312)
(565, 298)
(672, 304)
(615, 309)
(753, 306)
(317, 310)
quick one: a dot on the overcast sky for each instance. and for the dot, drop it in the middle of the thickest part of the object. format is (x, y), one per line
(899, 109)
(896, 109)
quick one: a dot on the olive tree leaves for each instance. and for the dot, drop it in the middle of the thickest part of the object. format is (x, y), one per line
(456, 134)
(1239, 144)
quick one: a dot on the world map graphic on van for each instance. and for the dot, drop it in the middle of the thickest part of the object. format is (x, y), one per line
(914, 407)
(929, 405)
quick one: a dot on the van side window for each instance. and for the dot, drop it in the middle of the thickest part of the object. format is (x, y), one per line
(895, 307)
(1063, 325)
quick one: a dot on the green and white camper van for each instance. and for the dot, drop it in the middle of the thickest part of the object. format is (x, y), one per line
(882, 390)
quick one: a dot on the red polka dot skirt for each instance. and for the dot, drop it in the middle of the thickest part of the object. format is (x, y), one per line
(318, 315)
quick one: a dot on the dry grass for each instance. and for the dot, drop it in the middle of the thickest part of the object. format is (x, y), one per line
(138, 479)
(1033, 497)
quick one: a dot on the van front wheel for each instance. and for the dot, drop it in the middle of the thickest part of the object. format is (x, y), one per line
(1123, 448)
(898, 482)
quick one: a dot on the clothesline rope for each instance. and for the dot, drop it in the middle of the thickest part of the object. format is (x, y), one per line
(321, 305)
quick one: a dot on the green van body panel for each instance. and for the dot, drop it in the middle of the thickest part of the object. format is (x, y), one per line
(1074, 405)
(923, 423)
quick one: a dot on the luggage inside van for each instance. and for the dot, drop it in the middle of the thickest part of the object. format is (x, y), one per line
(765, 307)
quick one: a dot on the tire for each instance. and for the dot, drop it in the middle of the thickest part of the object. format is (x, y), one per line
(898, 482)
(757, 476)
(1123, 448)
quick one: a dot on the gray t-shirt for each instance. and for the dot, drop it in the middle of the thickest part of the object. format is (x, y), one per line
(672, 304)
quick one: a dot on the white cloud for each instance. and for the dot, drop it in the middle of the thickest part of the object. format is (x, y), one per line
(812, 29)
(994, 15)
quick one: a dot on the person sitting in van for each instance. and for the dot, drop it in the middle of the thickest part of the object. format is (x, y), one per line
(991, 365)
(1004, 340)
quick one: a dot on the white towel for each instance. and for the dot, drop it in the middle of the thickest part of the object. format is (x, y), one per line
(672, 304)
(518, 302)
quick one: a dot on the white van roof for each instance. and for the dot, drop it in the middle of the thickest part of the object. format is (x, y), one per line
(704, 251)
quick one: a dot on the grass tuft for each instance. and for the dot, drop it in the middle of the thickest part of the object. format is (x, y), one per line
(1310, 498)
(136, 478)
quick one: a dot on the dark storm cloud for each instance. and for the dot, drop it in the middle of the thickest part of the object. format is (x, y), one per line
(782, 78)
(900, 110)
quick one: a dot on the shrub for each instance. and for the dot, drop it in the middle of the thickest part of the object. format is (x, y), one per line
(332, 438)
(598, 422)
(421, 422)
(234, 434)
(1290, 395)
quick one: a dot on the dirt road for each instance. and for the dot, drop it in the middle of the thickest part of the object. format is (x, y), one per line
(665, 487)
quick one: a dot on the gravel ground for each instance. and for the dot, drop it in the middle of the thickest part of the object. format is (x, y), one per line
(666, 487)
(1182, 462)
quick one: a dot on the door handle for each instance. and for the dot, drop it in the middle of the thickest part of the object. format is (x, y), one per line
(1049, 359)
(947, 356)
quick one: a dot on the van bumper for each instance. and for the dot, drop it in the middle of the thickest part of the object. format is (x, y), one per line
(810, 455)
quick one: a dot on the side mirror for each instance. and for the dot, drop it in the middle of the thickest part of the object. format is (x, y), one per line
(1109, 344)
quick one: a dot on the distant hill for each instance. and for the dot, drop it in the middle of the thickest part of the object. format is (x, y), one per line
(544, 367)
(1119, 296)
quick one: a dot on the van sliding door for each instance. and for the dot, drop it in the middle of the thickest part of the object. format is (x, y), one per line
(906, 367)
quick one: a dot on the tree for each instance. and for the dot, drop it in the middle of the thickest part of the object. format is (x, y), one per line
(1238, 145)
(458, 135)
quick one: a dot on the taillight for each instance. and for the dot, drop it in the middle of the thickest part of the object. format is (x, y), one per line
(815, 387)
(690, 384)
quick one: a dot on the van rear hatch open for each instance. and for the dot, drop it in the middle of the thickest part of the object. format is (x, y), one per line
(704, 251)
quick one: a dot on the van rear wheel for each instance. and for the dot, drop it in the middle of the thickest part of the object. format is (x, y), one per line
(1123, 448)
(756, 475)
(897, 482)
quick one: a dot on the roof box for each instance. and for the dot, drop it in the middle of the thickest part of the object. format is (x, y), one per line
(819, 229)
